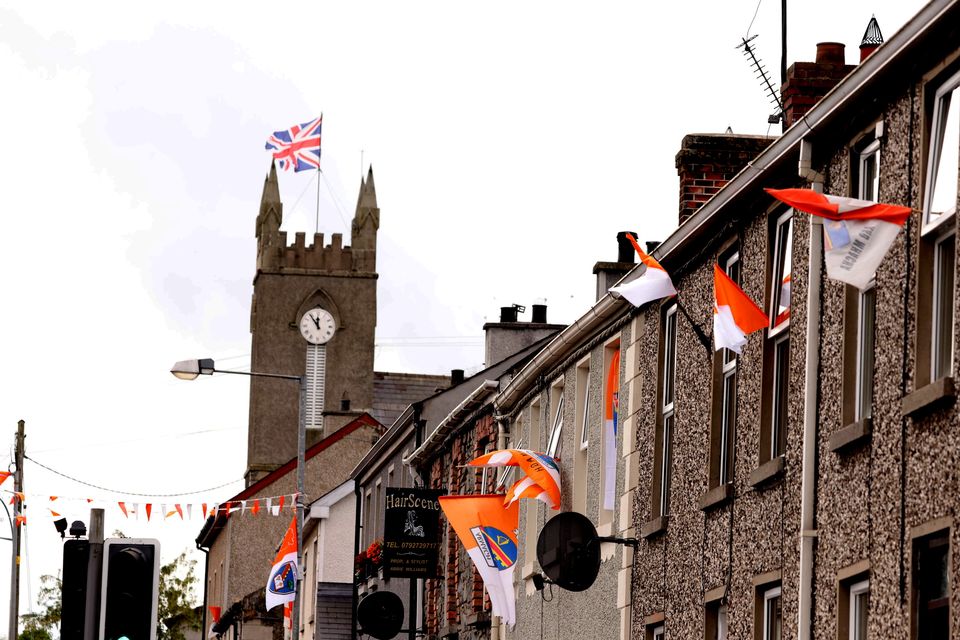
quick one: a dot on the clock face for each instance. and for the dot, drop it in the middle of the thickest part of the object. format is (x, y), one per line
(317, 326)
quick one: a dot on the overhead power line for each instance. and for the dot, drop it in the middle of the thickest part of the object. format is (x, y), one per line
(129, 493)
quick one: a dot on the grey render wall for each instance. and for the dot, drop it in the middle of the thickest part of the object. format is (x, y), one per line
(556, 613)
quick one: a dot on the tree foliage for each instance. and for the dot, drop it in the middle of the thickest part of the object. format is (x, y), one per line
(175, 609)
(44, 624)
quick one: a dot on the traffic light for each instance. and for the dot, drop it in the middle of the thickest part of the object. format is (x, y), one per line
(128, 595)
(76, 555)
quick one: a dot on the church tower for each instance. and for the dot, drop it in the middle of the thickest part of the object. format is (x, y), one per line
(314, 312)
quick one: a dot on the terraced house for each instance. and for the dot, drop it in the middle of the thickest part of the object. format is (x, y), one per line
(805, 487)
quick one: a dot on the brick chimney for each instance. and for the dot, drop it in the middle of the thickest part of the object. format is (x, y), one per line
(708, 161)
(808, 82)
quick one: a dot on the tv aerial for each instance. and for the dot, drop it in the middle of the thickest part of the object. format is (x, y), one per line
(568, 550)
(763, 75)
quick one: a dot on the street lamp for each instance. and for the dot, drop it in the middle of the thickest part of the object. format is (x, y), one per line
(190, 370)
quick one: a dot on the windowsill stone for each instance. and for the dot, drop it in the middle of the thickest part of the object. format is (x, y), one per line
(851, 435)
(716, 497)
(653, 527)
(928, 397)
(767, 472)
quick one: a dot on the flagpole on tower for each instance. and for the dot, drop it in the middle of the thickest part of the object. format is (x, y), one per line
(316, 226)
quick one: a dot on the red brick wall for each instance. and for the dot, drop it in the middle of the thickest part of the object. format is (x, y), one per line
(460, 593)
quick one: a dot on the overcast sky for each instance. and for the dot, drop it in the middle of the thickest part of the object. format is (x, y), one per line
(510, 143)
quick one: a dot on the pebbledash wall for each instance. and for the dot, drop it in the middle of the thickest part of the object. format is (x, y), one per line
(726, 555)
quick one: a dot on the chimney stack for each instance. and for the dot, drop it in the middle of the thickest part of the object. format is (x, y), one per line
(456, 377)
(507, 337)
(708, 161)
(608, 273)
(808, 82)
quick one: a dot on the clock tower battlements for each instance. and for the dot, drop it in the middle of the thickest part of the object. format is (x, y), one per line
(290, 281)
(274, 254)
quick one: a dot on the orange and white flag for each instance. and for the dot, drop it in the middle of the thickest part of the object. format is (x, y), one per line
(541, 479)
(735, 315)
(856, 235)
(282, 583)
(652, 284)
(488, 532)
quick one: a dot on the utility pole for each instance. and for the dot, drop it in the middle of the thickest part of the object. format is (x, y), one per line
(94, 569)
(15, 532)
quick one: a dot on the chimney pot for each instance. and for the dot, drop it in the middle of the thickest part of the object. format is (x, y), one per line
(508, 314)
(539, 314)
(831, 53)
(625, 250)
(651, 245)
(456, 377)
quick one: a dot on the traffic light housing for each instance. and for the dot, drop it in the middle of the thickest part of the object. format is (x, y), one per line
(76, 555)
(129, 591)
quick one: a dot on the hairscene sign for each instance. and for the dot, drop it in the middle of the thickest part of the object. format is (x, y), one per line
(411, 533)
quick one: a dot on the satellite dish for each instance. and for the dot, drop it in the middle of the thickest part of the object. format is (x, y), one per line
(380, 615)
(569, 551)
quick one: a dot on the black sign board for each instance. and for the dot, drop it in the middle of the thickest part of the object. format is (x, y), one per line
(411, 538)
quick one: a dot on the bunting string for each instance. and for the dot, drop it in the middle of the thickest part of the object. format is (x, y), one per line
(144, 511)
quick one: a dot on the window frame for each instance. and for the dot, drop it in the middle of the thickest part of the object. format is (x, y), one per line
(666, 412)
(779, 266)
(769, 595)
(582, 429)
(921, 545)
(554, 444)
(856, 591)
(935, 143)
(941, 365)
(723, 423)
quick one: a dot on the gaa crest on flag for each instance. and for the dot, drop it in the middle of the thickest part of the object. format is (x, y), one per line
(283, 581)
(498, 549)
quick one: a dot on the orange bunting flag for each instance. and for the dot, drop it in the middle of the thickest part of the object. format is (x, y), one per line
(149, 508)
(203, 507)
(21, 520)
(54, 513)
(280, 508)
(123, 508)
(256, 507)
(169, 513)
(735, 315)
(89, 500)
(4, 475)
(179, 510)
(52, 498)
(16, 496)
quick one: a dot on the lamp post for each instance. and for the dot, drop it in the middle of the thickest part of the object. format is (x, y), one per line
(190, 370)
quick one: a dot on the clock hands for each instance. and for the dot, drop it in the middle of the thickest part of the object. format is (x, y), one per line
(316, 321)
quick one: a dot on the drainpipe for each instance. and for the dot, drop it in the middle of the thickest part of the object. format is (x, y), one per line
(808, 532)
(206, 576)
(503, 435)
